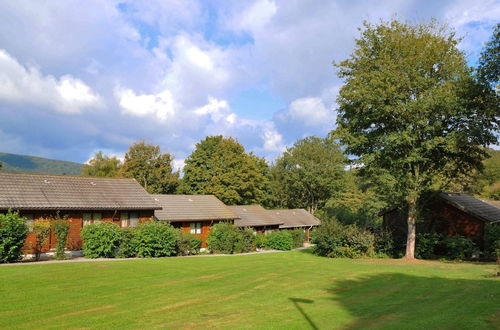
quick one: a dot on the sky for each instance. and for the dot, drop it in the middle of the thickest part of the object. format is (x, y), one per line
(77, 77)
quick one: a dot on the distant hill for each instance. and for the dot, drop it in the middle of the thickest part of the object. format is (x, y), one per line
(30, 164)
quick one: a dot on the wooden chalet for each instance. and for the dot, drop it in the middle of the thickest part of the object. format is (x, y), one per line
(450, 214)
(297, 218)
(193, 213)
(83, 200)
(256, 217)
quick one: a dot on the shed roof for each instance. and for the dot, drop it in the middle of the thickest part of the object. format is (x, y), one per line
(192, 207)
(254, 216)
(296, 218)
(476, 207)
(62, 192)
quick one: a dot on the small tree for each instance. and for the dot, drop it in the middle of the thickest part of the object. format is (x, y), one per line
(13, 232)
(61, 229)
(102, 166)
(41, 228)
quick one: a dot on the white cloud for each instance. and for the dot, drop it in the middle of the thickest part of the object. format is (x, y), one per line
(256, 16)
(27, 85)
(178, 164)
(311, 111)
(159, 105)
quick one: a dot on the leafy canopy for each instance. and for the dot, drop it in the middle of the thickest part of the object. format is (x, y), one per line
(152, 169)
(308, 173)
(102, 166)
(410, 108)
(220, 166)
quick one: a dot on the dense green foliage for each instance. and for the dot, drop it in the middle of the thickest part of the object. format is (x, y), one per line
(280, 240)
(458, 248)
(308, 174)
(489, 62)
(152, 169)
(169, 293)
(245, 241)
(220, 166)
(29, 164)
(335, 240)
(102, 166)
(492, 241)
(41, 229)
(224, 237)
(126, 245)
(155, 239)
(260, 241)
(189, 244)
(61, 229)
(412, 112)
(100, 240)
(298, 237)
(427, 245)
(13, 232)
(486, 183)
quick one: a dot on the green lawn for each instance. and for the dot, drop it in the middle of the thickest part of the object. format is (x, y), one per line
(293, 290)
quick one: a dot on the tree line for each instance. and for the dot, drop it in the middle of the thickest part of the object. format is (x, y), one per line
(413, 117)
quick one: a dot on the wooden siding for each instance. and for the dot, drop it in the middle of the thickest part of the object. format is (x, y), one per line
(75, 219)
(205, 229)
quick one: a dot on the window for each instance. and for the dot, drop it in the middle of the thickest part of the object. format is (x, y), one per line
(30, 221)
(89, 218)
(124, 219)
(129, 219)
(195, 227)
(134, 219)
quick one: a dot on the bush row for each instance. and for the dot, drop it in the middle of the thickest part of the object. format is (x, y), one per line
(226, 238)
(281, 240)
(149, 239)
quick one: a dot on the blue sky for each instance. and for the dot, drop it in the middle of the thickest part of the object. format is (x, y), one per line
(77, 77)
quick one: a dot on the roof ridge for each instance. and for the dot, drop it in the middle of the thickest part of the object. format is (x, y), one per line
(65, 176)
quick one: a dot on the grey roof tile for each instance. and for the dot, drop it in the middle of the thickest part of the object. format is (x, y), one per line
(62, 192)
(192, 207)
(296, 218)
(481, 209)
(254, 216)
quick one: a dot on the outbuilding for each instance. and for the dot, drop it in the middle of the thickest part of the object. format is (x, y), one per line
(297, 218)
(256, 217)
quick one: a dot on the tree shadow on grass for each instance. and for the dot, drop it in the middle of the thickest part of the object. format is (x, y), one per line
(297, 303)
(402, 301)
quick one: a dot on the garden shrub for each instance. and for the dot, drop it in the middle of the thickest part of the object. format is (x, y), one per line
(332, 239)
(222, 238)
(61, 229)
(298, 237)
(100, 240)
(126, 246)
(155, 239)
(458, 248)
(41, 228)
(327, 237)
(384, 243)
(359, 240)
(189, 244)
(427, 244)
(245, 241)
(280, 240)
(13, 232)
(492, 241)
(260, 241)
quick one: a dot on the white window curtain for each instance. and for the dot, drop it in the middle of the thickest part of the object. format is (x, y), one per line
(124, 219)
(87, 218)
(195, 227)
(30, 221)
(134, 219)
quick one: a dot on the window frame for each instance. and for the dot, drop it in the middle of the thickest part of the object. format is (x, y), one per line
(93, 217)
(195, 228)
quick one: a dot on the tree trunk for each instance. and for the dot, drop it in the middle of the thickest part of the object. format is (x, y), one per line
(412, 229)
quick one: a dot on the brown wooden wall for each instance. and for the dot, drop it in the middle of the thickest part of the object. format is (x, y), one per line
(74, 241)
(205, 228)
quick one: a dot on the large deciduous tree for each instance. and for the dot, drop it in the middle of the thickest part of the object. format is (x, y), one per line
(152, 169)
(309, 173)
(220, 166)
(102, 166)
(489, 62)
(412, 111)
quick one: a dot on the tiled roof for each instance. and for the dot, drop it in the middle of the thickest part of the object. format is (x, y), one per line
(254, 216)
(482, 210)
(62, 192)
(192, 207)
(296, 218)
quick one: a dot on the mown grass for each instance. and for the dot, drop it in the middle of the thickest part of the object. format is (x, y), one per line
(293, 290)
